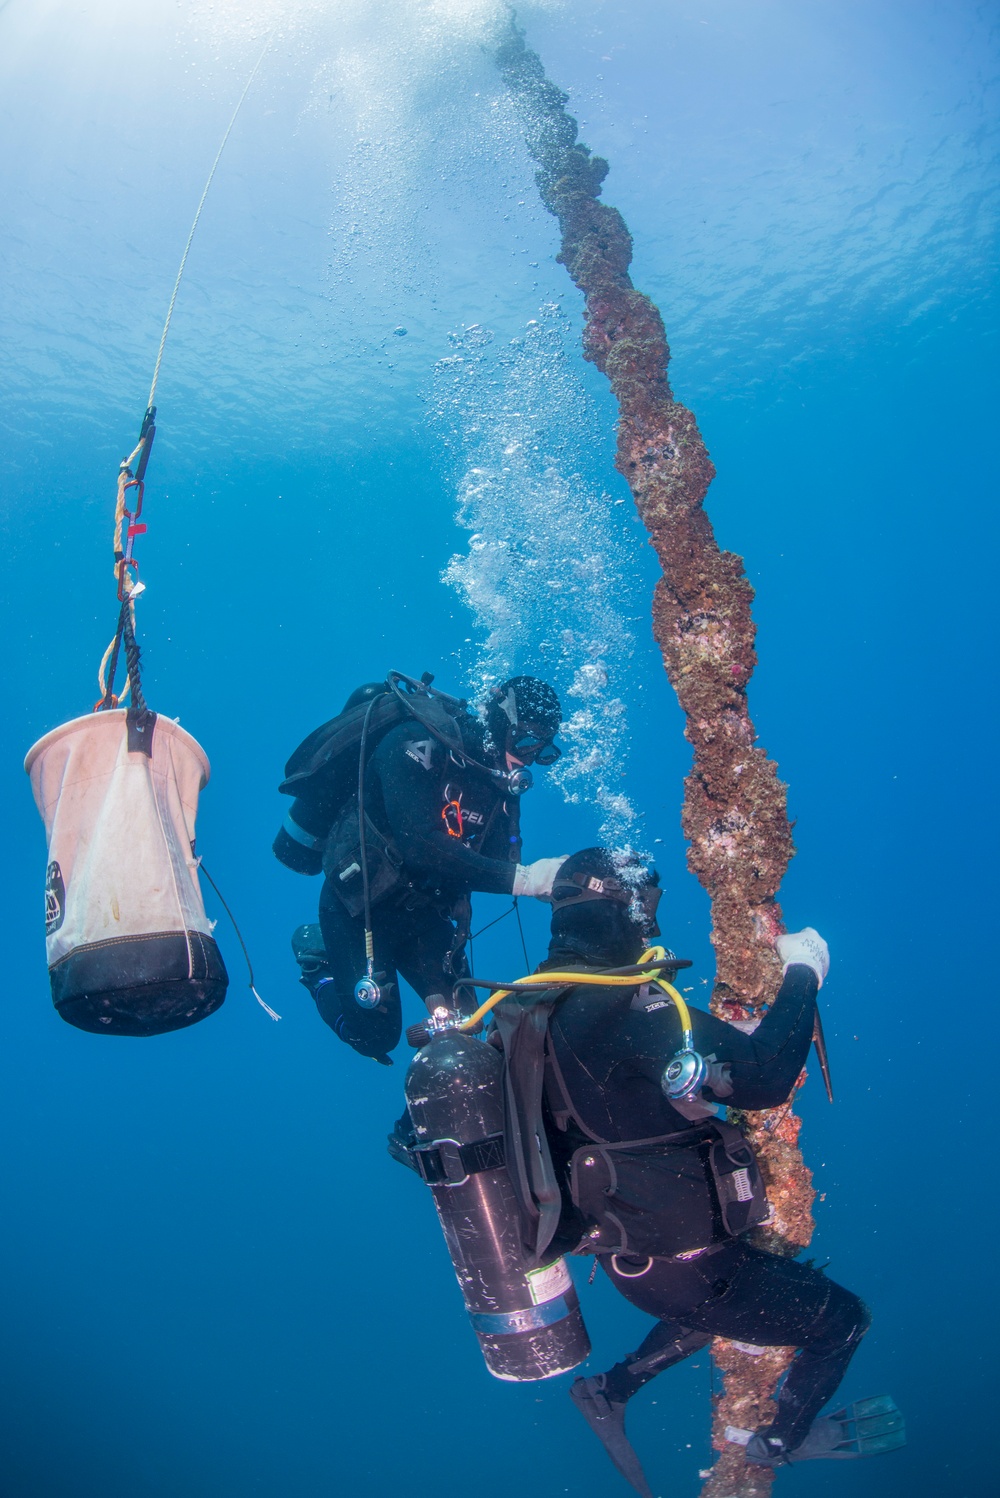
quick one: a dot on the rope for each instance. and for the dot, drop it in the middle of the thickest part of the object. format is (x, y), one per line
(108, 698)
(124, 635)
(502, 917)
(101, 673)
(511, 910)
(128, 585)
(132, 655)
(107, 685)
(201, 204)
(239, 936)
(124, 474)
(524, 945)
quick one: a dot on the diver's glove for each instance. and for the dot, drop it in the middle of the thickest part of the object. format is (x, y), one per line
(805, 946)
(536, 879)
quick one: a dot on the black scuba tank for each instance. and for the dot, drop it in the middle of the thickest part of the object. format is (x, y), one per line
(525, 1315)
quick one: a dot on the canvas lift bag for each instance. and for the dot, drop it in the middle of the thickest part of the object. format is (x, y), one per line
(129, 947)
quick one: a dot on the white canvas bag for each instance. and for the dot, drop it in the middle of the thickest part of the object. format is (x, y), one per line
(129, 947)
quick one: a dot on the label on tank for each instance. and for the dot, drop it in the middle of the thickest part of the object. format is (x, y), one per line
(548, 1283)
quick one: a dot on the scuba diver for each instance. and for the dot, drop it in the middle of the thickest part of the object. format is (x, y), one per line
(623, 1088)
(408, 803)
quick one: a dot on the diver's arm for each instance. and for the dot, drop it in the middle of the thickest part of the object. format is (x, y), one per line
(411, 794)
(762, 1067)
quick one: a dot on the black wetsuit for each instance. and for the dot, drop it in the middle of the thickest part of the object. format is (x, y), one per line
(453, 829)
(611, 1055)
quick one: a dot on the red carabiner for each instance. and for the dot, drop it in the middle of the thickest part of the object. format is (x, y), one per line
(134, 484)
(133, 528)
(451, 816)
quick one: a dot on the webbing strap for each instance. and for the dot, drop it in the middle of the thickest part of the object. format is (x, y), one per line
(448, 1163)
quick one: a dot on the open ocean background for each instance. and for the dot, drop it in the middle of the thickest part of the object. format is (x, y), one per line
(215, 1283)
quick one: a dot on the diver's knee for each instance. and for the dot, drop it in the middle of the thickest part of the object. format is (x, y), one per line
(844, 1322)
(864, 1321)
(311, 956)
(370, 1032)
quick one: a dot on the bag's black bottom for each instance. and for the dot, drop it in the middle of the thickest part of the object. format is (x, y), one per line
(140, 985)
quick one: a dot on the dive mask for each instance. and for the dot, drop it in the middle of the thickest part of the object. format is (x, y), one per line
(532, 749)
(642, 908)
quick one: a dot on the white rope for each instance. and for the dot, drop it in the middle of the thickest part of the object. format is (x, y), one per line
(266, 1007)
(187, 247)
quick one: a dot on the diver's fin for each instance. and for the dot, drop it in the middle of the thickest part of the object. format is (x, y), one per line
(606, 1418)
(866, 1428)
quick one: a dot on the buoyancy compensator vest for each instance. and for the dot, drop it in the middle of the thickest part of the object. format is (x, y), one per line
(661, 1196)
(327, 761)
(322, 774)
(667, 1195)
(130, 949)
(523, 1306)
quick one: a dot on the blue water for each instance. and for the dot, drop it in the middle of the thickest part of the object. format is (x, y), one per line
(214, 1280)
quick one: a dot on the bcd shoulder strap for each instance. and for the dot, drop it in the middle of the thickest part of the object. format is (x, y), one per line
(522, 1029)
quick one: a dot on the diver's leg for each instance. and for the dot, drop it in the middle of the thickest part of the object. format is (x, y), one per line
(606, 1418)
(431, 956)
(371, 1032)
(601, 1400)
(820, 1365)
(777, 1302)
(768, 1301)
(825, 1348)
(668, 1343)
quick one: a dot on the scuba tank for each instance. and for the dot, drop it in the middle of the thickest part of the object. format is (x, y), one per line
(525, 1314)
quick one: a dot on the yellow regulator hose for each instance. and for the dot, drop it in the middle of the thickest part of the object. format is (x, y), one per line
(655, 955)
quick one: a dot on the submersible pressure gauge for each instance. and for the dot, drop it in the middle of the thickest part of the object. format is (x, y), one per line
(685, 1075)
(366, 991)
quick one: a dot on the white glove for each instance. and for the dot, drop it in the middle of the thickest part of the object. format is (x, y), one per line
(536, 879)
(805, 946)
